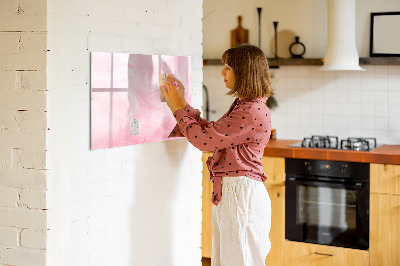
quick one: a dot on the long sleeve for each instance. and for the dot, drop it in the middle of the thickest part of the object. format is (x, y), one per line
(231, 130)
(193, 113)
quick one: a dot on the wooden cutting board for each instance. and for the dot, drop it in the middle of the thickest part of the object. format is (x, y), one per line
(239, 35)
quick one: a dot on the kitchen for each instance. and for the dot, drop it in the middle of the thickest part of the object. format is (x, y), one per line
(54, 189)
(315, 103)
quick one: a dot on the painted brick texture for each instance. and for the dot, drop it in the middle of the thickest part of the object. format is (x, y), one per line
(23, 132)
(134, 205)
(9, 237)
(33, 239)
(111, 206)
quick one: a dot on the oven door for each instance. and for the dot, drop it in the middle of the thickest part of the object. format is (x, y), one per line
(327, 213)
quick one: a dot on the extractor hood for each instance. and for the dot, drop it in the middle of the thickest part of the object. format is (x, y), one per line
(341, 51)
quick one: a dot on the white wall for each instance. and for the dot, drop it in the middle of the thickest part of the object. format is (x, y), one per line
(306, 19)
(134, 205)
(343, 104)
(311, 102)
(23, 133)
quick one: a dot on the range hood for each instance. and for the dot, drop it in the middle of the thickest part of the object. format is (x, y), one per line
(341, 51)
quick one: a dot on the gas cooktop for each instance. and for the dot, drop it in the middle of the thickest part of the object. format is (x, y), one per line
(332, 142)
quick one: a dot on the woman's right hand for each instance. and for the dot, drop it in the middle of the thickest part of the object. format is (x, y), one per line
(181, 91)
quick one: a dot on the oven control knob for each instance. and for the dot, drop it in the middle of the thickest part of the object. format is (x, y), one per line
(308, 166)
(343, 168)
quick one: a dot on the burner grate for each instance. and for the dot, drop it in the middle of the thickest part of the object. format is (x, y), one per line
(327, 142)
(332, 142)
(358, 144)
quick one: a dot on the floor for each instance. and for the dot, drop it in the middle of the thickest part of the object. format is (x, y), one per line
(206, 261)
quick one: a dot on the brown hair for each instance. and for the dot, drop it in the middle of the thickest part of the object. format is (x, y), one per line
(250, 66)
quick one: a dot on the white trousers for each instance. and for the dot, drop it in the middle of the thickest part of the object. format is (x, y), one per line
(241, 223)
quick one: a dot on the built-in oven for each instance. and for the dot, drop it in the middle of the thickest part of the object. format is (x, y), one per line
(327, 202)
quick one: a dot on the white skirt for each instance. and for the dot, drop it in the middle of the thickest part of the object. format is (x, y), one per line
(241, 223)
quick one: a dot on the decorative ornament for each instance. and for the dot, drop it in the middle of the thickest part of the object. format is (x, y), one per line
(297, 49)
(259, 9)
(276, 39)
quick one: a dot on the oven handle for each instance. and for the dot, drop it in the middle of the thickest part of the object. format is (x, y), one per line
(357, 185)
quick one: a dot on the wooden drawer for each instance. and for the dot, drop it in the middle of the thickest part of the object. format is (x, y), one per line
(385, 178)
(206, 225)
(304, 254)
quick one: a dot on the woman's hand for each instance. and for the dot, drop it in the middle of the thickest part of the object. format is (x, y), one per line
(173, 95)
(181, 91)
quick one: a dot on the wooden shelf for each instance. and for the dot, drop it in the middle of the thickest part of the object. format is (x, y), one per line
(212, 62)
(380, 61)
(273, 63)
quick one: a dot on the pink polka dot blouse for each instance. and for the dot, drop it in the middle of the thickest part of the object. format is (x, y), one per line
(238, 139)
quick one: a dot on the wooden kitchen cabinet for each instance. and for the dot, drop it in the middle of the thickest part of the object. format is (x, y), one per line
(384, 236)
(385, 178)
(206, 225)
(274, 168)
(384, 215)
(305, 254)
(277, 233)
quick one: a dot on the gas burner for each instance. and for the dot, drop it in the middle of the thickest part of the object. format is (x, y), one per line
(358, 144)
(332, 142)
(327, 142)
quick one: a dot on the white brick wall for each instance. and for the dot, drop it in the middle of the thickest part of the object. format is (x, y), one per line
(11, 256)
(9, 237)
(134, 205)
(23, 132)
(8, 197)
(33, 239)
(99, 204)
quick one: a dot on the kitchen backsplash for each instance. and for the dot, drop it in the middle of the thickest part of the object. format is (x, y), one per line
(314, 102)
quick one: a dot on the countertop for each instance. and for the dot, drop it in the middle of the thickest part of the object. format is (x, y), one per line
(389, 154)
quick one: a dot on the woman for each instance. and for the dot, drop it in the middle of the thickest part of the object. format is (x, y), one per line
(242, 211)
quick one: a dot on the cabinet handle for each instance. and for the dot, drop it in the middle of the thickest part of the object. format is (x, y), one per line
(324, 254)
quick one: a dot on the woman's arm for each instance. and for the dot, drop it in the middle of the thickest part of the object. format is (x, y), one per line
(194, 113)
(174, 93)
(239, 127)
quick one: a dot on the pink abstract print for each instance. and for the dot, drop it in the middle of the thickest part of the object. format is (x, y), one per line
(126, 105)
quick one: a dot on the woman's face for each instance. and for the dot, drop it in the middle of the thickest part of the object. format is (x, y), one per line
(229, 76)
